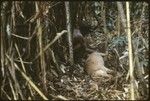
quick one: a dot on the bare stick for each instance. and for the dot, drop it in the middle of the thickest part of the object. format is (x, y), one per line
(122, 14)
(68, 23)
(131, 68)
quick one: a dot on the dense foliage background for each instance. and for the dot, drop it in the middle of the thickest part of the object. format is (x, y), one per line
(35, 66)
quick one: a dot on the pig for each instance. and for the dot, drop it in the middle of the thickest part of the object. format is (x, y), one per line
(94, 65)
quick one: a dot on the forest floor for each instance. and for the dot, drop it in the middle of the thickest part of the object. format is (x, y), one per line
(76, 84)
